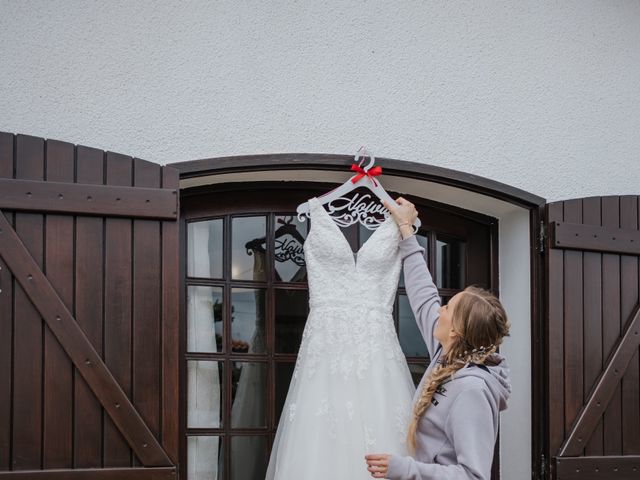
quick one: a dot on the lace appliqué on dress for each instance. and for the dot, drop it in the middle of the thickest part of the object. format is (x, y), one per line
(351, 388)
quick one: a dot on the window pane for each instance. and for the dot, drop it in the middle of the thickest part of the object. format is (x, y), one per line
(284, 372)
(248, 457)
(249, 395)
(204, 319)
(292, 308)
(205, 458)
(205, 249)
(248, 320)
(410, 337)
(248, 248)
(351, 234)
(417, 371)
(204, 394)
(423, 240)
(289, 236)
(450, 263)
(365, 233)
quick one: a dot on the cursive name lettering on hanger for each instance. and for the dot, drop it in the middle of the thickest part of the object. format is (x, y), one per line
(362, 208)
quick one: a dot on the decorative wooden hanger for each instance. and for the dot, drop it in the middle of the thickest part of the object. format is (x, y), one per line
(363, 209)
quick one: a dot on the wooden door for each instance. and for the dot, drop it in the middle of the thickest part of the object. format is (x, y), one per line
(243, 261)
(88, 313)
(593, 333)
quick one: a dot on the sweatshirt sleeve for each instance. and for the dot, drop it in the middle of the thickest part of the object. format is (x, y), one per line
(471, 429)
(421, 291)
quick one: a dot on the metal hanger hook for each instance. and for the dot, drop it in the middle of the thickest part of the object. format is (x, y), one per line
(360, 158)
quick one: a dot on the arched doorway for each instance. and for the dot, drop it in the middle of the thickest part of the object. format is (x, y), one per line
(244, 201)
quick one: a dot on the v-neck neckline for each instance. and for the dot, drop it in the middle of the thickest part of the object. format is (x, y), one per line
(355, 256)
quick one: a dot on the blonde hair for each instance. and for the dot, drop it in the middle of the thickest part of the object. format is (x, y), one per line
(480, 323)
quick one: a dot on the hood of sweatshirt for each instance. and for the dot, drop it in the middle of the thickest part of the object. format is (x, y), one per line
(495, 376)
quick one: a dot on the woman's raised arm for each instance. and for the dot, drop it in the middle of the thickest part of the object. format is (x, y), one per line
(421, 291)
(423, 294)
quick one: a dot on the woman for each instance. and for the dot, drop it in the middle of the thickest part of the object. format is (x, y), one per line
(456, 407)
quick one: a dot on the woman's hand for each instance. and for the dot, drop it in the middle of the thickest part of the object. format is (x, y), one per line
(378, 464)
(405, 214)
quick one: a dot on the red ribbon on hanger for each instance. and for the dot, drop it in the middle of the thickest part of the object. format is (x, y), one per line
(372, 172)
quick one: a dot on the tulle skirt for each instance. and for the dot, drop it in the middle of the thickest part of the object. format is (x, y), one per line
(350, 395)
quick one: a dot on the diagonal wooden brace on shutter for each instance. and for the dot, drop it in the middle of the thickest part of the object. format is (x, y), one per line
(601, 395)
(103, 200)
(79, 348)
(594, 238)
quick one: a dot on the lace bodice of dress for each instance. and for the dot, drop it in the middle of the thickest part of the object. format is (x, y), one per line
(335, 276)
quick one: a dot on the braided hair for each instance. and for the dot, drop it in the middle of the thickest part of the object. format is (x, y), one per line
(480, 323)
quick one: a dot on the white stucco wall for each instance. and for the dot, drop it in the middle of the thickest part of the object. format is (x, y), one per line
(541, 95)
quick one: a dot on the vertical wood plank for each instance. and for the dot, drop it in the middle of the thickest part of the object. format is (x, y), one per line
(612, 422)
(117, 307)
(88, 412)
(6, 320)
(573, 326)
(591, 215)
(28, 332)
(555, 328)
(170, 325)
(629, 299)
(146, 305)
(57, 421)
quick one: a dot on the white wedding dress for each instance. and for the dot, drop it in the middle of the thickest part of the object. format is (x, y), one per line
(351, 389)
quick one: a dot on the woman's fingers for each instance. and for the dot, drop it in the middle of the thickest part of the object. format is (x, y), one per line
(377, 464)
(394, 210)
(400, 201)
(404, 201)
(376, 457)
(382, 471)
(378, 472)
(403, 212)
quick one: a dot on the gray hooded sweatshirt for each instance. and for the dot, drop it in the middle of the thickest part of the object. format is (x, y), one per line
(457, 433)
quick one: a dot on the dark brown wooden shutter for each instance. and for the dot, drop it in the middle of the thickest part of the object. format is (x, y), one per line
(88, 313)
(593, 334)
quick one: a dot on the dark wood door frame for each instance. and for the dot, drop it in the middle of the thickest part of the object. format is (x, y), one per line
(198, 204)
(428, 173)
